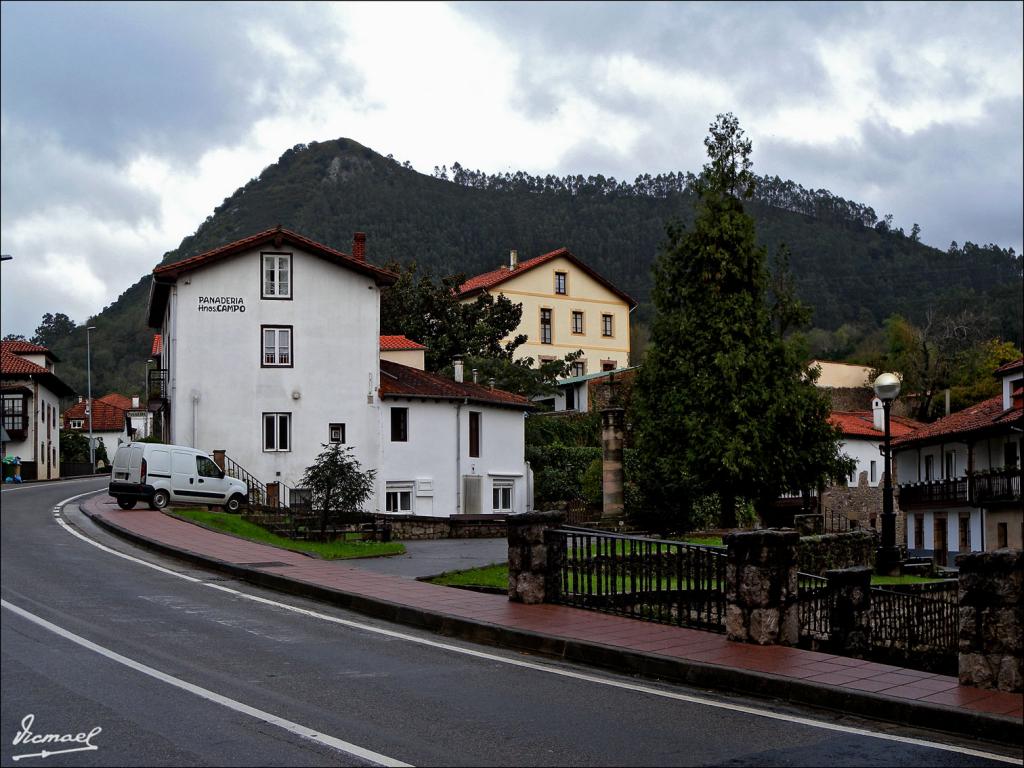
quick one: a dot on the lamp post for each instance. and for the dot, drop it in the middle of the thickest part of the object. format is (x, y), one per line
(887, 388)
(88, 373)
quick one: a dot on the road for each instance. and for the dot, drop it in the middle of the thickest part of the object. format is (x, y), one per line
(178, 666)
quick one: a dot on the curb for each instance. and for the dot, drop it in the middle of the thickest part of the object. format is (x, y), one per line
(934, 717)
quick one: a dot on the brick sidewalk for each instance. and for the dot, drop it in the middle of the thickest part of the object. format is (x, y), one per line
(847, 676)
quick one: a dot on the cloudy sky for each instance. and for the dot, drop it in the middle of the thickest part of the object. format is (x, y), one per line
(124, 124)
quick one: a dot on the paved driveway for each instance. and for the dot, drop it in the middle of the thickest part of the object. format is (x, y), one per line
(431, 557)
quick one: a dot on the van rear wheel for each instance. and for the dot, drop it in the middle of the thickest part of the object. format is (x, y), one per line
(124, 503)
(160, 500)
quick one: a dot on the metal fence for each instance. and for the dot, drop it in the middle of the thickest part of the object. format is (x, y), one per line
(669, 582)
(814, 603)
(925, 620)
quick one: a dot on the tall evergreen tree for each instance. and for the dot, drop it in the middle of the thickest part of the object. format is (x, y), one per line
(724, 405)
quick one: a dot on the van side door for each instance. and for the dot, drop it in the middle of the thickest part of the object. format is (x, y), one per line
(183, 476)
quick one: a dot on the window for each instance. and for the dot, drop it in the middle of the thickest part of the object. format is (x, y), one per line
(399, 425)
(965, 534)
(577, 321)
(546, 359)
(1001, 536)
(570, 398)
(501, 495)
(206, 467)
(608, 365)
(929, 468)
(950, 464)
(398, 497)
(560, 283)
(76, 423)
(606, 325)
(919, 531)
(874, 471)
(1010, 455)
(474, 434)
(277, 431)
(277, 346)
(545, 326)
(277, 276)
(15, 419)
(336, 433)
(579, 368)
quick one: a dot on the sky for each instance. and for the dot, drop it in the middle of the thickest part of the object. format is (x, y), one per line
(123, 125)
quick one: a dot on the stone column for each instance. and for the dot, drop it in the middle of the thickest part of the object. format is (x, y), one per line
(612, 437)
(849, 591)
(991, 622)
(533, 558)
(761, 599)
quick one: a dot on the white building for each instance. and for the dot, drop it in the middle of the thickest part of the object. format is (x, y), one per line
(269, 348)
(863, 436)
(31, 407)
(960, 476)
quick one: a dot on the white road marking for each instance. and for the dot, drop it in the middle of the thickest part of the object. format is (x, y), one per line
(555, 670)
(43, 484)
(205, 693)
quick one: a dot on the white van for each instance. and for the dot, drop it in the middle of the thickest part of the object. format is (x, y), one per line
(160, 474)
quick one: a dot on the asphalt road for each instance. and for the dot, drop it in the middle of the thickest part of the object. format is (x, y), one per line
(178, 671)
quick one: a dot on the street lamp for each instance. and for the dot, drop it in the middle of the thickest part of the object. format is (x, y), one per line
(88, 373)
(887, 388)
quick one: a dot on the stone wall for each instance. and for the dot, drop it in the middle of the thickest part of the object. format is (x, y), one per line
(534, 563)
(833, 551)
(761, 587)
(863, 504)
(413, 527)
(992, 619)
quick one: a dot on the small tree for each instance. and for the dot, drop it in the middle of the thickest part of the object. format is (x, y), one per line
(337, 483)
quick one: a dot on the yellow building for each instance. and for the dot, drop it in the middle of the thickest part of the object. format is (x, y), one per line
(566, 306)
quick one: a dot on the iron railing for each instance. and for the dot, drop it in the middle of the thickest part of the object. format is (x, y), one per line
(925, 620)
(669, 582)
(1000, 486)
(950, 491)
(157, 380)
(814, 601)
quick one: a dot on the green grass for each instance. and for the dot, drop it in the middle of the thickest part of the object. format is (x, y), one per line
(333, 550)
(489, 576)
(881, 581)
(707, 541)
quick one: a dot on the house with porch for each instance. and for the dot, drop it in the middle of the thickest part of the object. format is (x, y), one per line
(959, 477)
(31, 392)
(567, 306)
(269, 348)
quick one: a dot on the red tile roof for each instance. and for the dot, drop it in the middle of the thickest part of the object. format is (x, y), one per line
(106, 417)
(158, 345)
(24, 348)
(1010, 366)
(987, 415)
(118, 401)
(489, 280)
(398, 343)
(862, 424)
(402, 381)
(11, 363)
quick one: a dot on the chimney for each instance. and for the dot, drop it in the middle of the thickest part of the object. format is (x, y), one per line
(947, 401)
(80, 398)
(359, 246)
(457, 364)
(490, 382)
(513, 260)
(475, 372)
(878, 414)
(135, 403)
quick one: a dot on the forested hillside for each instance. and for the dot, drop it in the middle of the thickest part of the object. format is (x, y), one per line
(850, 265)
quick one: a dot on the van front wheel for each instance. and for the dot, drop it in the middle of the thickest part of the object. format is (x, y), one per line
(124, 503)
(234, 504)
(160, 500)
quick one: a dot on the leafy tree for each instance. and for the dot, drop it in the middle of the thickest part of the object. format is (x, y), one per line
(52, 329)
(74, 446)
(15, 337)
(337, 484)
(723, 403)
(518, 376)
(428, 311)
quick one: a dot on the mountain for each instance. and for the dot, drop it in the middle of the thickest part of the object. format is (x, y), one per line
(848, 265)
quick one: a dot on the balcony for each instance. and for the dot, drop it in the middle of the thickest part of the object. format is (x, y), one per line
(973, 491)
(938, 493)
(996, 487)
(157, 391)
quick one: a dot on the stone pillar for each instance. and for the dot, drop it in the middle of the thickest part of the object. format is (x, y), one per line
(991, 624)
(761, 598)
(218, 458)
(612, 437)
(849, 591)
(533, 558)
